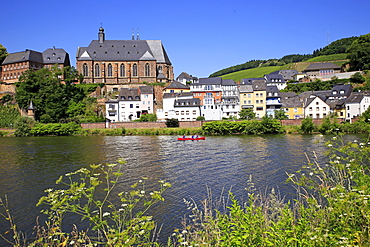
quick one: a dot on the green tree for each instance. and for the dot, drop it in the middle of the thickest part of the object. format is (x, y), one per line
(280, 114)
(3, 53)
(359, 53)
(247, 114)
(365, 116)
(147, 118)
(307, 125)
(357, 78)
(48, 94)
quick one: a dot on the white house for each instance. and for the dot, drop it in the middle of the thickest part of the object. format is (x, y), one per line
(356, 104)
(168, 111)
(130, 104)
(315, 107)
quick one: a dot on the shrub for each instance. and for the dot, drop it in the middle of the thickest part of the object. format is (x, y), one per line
(23, 126)
(307, 125)
(172, 123)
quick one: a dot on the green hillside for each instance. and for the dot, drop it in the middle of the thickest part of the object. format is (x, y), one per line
(326, 58)
(337, 59)
(252, 73)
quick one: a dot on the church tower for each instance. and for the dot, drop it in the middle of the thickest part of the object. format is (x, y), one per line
(101, 35)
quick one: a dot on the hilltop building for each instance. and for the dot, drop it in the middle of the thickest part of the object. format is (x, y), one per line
(15, 64)
(122, 62)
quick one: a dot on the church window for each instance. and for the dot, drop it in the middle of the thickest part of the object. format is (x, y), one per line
(147, 69)
(110, 70)
(122, 70)
(97, 70)
(134, 70)
(85, 70)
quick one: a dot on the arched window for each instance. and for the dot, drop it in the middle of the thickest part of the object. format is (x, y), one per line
(110, 70)
(122, 70)
(160, 69)
(97, 70)
(147, 69)
(134, 69)
(85, 70)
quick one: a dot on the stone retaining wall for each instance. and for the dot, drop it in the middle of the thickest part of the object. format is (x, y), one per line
(183, 124)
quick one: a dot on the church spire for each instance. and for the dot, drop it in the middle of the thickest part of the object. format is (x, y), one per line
(101, 35)
(138, 36)
(133, 34)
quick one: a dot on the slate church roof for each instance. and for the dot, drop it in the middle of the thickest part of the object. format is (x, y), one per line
(123, 50)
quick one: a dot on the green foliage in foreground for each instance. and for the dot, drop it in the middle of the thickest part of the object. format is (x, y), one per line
(266, 126)
(331, 209)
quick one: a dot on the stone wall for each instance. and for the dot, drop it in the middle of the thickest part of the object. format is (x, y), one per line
(183, 124)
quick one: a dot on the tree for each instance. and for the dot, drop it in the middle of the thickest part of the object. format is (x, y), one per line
(359, 53)
(357, 78)
(365, 116)
(280, 114)
(3, 53)
(307, 125)
(247, 114)
(48, 94)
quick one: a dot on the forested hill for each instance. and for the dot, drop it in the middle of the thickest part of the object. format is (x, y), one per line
(337, 47)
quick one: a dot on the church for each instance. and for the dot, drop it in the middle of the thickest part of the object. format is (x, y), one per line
(123, 62)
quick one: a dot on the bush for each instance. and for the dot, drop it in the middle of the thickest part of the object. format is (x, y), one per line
(23, 126)
(57, 129)
(172, 123)
(307, 125)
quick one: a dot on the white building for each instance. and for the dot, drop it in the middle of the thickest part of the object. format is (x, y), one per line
(315, 107)
(356, 104)
(130, 104)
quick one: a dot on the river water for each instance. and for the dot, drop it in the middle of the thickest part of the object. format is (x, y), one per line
(30, 165)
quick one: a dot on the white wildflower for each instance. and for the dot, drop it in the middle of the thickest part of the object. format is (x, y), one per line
(106, 214)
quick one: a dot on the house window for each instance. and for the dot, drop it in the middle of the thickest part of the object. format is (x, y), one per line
(317, 103)
(317, 109)
(187, 112)
(310, 109)
(110, 70)
(134, 70)
(147, 69)
(317, 115)
(194, 112)
(131, 105)
(85, 70)
(122, 70)
(177, 112)
(295, 109)
(182, 112)
(97, 70)
(259, 108)
(324, 108)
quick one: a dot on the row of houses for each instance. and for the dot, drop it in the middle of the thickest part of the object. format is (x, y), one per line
(217, 98)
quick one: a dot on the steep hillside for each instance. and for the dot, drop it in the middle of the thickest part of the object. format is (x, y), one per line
(337, 59)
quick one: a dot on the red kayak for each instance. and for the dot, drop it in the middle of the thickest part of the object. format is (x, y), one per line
(191, 139)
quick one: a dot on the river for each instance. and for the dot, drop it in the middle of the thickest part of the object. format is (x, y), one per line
(30, 165)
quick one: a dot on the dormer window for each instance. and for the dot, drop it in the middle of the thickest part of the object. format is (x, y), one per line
(341, 92)
(334, 92)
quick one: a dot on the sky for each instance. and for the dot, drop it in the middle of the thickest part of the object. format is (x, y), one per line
(200, 36)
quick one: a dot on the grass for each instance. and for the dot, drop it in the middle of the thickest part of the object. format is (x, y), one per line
(252, 73)
(337, 59)
(328, 58)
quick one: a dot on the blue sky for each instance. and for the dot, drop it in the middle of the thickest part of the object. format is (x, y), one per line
(200, 37)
